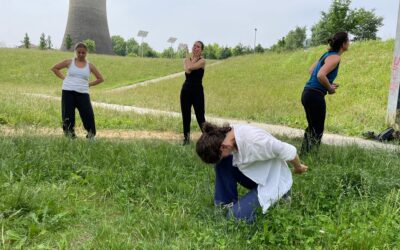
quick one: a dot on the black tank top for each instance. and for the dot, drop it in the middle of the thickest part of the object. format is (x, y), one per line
(195, 77)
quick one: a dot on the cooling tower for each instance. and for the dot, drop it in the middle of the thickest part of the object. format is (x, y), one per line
(87, 19)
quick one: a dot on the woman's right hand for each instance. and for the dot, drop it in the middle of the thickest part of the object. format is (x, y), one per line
(332, 89)
(300, 169)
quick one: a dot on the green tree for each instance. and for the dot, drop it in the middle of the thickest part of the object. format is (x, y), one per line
(248, 50)
(68, 42)
(361, 23)
(238, 50)
(91, 45)
(211, 51)
(147, 50)
(259, 49)
(279, 46)
(168, 53)
(49, 44)
(26, 42)
(336, 19)
(225, 52)
(118, 45)
(132, 47)
(181, 53)
(295, 38)
(42, 43)
(366, 24)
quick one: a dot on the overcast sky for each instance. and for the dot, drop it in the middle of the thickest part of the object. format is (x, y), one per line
(212, 21)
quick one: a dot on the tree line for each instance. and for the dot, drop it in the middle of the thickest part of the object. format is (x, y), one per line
(360, 23)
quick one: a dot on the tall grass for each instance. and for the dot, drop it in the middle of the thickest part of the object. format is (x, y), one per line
(58, 193)
(267, 88)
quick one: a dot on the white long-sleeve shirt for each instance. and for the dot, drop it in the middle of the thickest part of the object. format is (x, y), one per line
(262, 158)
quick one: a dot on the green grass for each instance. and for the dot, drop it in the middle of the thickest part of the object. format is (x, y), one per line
(20, 110)
(263, 88)
(24, 73)
(22, 67)
(267, 88)
(58, 193)
(150, 194)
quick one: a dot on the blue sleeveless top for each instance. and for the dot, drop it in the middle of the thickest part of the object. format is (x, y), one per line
(314, 83)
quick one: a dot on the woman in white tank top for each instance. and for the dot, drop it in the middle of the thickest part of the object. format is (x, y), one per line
(75, 91)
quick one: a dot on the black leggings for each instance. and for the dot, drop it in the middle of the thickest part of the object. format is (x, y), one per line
(71, 100)
(191, 95)
(314, 104)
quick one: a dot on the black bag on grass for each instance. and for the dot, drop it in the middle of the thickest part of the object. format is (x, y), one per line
(386, 135)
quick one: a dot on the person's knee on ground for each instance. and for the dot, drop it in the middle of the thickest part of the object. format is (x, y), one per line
(246, 208)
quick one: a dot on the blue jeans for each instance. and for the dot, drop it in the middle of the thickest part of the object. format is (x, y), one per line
(226, 179)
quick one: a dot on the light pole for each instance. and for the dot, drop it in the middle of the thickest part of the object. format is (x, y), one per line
(182, 47)
(255, 39)
(142, 34)
(172, 40)
(393, 109)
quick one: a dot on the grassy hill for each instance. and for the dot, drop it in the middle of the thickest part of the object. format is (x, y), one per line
(28, 71)
(267, 88)
(264, 88)
(57, 193)
(31, 68)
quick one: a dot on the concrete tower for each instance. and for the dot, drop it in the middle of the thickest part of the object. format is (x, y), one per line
(87, 19)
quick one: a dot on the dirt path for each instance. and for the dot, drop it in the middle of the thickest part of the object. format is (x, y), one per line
(156, 80)
(102, 133)
(330, 139)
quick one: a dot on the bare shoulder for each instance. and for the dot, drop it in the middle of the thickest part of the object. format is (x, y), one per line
(63, 64)
(66, 62)
(91, 66)
(333, 59)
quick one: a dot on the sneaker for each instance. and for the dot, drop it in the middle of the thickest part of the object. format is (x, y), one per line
(186, 140)
(224, 205)
(287, 198)
(90, 136)
(70, 135)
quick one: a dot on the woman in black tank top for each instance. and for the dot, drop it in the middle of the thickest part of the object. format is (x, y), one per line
(192, 90)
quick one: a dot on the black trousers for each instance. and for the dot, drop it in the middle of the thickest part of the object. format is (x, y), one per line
(315, 107)
(192, 96)
(71, 100)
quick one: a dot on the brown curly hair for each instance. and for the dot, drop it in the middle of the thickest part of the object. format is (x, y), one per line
(209, 143)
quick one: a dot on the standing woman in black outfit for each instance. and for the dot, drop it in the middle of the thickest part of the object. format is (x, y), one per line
(323, 74)
(192, 90)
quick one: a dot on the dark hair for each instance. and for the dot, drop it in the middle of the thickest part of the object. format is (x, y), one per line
(336, 42)
(209, 143)
(201, 44)
(80, 45)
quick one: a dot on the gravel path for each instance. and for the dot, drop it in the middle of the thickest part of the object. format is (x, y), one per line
(331, 139)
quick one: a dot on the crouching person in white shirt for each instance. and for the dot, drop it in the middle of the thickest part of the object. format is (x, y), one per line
(253, 158)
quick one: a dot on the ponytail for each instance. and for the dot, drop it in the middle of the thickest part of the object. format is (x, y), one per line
(336, 42)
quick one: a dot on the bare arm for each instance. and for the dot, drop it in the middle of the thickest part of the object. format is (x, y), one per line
(298, 167)
(330, 64)
(97, 74)
(189, 66)
(59, 66)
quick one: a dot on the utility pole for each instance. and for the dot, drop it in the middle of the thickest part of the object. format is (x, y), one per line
(255, 39)
(393, 109)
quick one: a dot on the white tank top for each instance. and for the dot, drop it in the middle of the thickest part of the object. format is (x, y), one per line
(77, 78)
